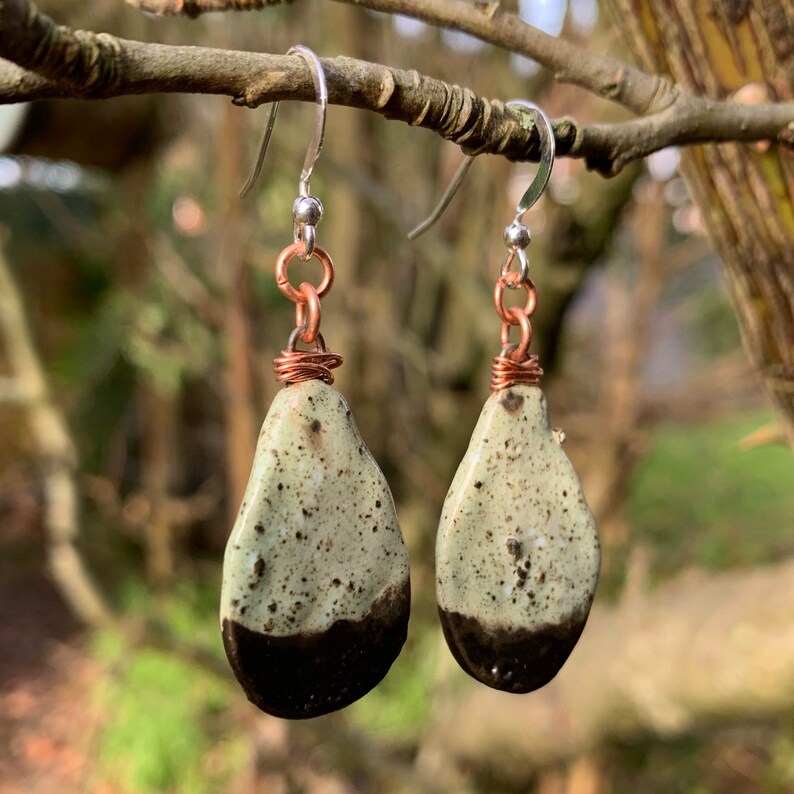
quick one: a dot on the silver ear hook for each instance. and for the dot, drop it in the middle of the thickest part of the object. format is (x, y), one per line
(548, 146)
(452, 188)
(533, 192)
(307, 209)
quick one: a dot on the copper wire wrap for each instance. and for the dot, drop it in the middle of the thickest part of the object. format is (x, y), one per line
(296, 366)
(505, 372)
(514, 365)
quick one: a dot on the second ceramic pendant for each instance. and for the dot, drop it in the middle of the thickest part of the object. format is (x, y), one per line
(517, 553)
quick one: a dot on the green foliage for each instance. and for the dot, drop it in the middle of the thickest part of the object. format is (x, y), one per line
(754, 757)
(162, 727)
(189, 612)
(697, 498)
(661, 767)
(165, 340)
(399, 706)
(715, 327)
(780, 774)
(158, 733)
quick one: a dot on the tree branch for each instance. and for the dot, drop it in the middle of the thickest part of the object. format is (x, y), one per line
(194, 8)
(603, 75)
(88, 65)
(689, 120)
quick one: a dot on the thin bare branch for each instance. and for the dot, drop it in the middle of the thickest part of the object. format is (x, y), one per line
(601, 74)
(57, 455)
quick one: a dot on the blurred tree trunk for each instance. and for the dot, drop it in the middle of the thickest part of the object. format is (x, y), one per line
(746, 194)
(238, 378)
(159, 456)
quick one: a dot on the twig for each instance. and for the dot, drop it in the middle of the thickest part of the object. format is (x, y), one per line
(71, 63)
(601, 74)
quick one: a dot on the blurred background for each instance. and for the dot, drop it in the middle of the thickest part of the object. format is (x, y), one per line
(138, 320)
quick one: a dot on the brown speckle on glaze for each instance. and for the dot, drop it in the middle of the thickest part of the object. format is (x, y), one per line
(511, 402)
(514, 548)
(538, 531)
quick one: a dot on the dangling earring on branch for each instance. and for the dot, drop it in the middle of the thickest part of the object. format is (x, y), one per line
(316, 591)
(517, 552)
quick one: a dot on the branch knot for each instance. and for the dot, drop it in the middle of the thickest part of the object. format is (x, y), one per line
(90, 63)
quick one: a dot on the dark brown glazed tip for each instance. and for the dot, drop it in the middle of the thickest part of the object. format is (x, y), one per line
(517, 661)
(306, 675)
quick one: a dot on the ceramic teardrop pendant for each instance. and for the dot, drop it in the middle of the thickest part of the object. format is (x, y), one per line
(517, 553)
(316, 590)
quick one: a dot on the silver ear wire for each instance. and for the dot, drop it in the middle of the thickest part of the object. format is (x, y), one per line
(548, 146)
(452, 188)
(316, 144)
(533, 192)
(264, 143)
(307, 210)
(321, 109)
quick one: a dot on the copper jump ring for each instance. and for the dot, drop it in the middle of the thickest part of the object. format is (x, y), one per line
(282, 278)
(506, 280)
(520, 318)
(307, 313)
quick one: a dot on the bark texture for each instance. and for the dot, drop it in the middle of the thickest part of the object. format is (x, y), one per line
(746, 194)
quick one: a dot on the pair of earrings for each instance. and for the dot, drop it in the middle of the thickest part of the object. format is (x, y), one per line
(316, 587)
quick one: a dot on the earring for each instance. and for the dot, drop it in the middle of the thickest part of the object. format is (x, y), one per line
(316, 590)
(517, 552)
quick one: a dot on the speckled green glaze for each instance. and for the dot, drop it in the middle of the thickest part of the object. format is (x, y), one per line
(517, 552)
(315, 595)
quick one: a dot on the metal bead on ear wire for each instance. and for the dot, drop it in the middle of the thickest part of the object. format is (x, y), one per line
(316, 590)
(516, 236)
(517, 552)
